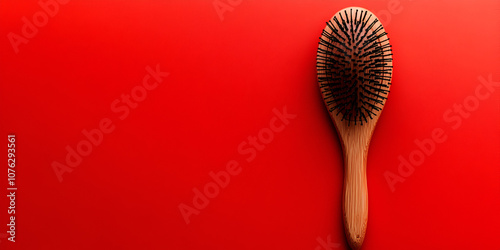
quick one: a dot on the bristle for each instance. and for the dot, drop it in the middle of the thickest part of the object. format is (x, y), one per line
(353, 66)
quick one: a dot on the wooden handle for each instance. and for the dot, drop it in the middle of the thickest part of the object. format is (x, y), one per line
(355, 199)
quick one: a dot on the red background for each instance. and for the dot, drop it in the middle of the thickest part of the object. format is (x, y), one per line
(226, 77)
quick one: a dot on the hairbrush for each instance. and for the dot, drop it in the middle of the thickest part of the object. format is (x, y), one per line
(354, 66)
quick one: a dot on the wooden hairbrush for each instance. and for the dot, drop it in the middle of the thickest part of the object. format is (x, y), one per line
(354, 65)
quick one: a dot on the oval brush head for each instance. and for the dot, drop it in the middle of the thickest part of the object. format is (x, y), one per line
(354, 66)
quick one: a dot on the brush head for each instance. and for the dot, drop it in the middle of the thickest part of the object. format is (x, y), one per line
(354, 64)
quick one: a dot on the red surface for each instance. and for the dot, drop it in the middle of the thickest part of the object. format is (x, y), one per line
(226, 77)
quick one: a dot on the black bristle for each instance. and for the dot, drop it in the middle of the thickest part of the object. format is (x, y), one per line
(353, 63)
